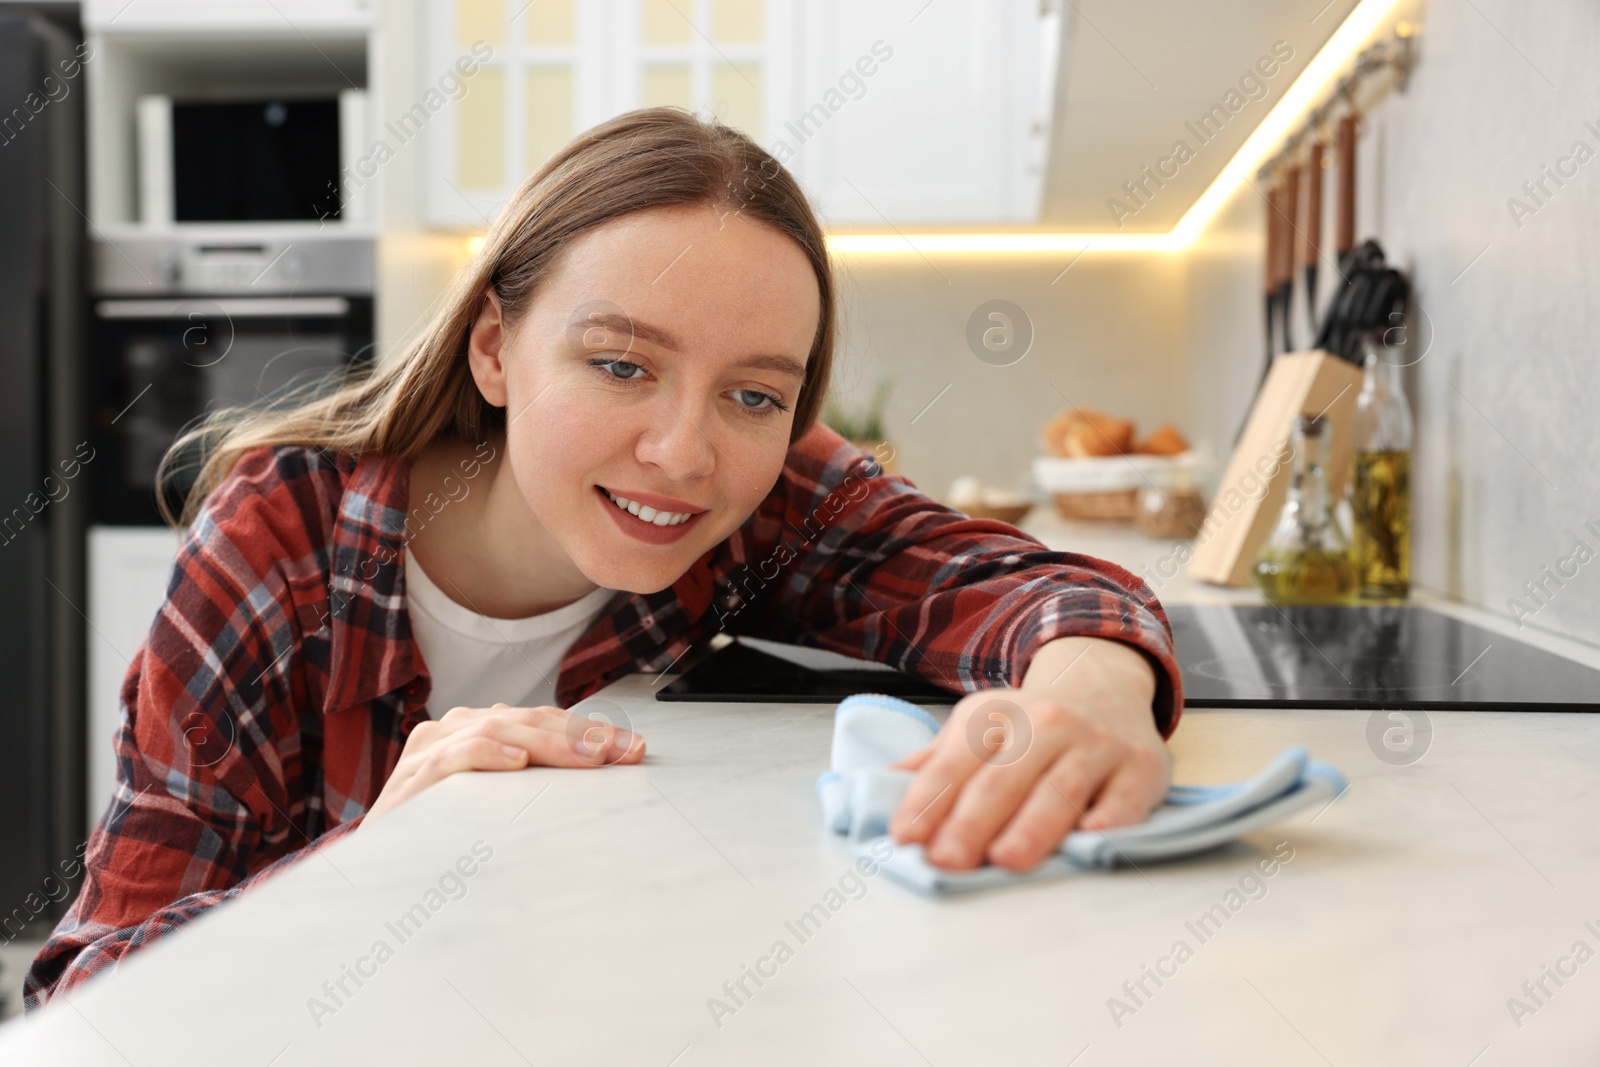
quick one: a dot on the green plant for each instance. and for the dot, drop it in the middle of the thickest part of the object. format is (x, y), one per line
(859, 426)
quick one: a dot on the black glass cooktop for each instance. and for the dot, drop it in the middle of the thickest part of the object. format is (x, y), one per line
(1380, 657)
(748, 671)
(1388, 656)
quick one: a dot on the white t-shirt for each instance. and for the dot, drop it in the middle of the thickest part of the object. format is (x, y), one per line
(476, 661)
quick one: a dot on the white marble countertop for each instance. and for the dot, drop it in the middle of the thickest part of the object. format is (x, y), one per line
(606, 909)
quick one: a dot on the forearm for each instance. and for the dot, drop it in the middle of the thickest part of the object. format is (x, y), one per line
(905, 581)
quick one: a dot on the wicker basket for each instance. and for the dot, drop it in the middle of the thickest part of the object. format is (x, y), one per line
(1011, 513)
(1115, 505)
(1104, 487)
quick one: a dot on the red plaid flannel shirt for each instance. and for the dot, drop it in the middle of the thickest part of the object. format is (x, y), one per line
(276, 688)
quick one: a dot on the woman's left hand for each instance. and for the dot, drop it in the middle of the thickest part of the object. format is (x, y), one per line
(1014, 770)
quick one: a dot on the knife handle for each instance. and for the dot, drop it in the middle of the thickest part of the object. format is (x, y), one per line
(1345, 146)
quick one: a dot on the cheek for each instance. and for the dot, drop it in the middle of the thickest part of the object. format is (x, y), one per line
(763, 466)
(563, 431)
(557, 441)
(747, 471)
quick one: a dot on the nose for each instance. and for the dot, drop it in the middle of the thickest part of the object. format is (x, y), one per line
(676, 441)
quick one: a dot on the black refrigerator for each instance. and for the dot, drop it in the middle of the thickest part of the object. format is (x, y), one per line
(42, 342)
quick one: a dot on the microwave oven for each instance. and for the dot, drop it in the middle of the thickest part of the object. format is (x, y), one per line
(257, 159)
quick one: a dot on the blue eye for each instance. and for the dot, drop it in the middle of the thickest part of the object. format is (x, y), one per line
(611, 367)
(752, 402)
(754, 399)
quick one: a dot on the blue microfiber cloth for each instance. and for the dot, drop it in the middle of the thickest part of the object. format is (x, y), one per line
(860, 794)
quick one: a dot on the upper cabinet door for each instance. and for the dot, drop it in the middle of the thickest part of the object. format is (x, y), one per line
(924, 112)
(544, 71)
(887, 112)
(725, 58)
(519, 87)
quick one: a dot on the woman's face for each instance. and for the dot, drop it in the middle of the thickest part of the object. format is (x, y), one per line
(659, 365)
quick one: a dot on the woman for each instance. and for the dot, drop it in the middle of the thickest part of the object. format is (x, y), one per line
(603, 449)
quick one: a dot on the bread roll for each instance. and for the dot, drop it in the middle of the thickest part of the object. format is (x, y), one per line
(1165, 441)
(1098, 435)
(1052, 438)
(1082, 432)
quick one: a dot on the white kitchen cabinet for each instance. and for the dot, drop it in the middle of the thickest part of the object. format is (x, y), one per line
(953, 124)
(129, 567)
(544, 71)
(213, 50)
(516, 80)
(243, 16)
(904, 112)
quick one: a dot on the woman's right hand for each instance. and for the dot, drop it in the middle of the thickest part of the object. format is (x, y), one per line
(502, 738)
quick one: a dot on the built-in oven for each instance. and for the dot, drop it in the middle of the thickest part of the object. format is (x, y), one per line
(182, 326)
(220, 323)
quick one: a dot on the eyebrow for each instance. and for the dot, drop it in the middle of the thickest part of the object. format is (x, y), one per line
(623, 324)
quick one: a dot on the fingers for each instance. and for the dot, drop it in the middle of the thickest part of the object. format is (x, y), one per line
(1132, 792)
(532, 716)
(586, 742)
(984, 730)
(1008, 779)
(914, 761)
(1057, 803)
(998, 790)
(932, 793)
(594, 743)
(477, 753)
(570, 741)
(503, 738)
(543, 736)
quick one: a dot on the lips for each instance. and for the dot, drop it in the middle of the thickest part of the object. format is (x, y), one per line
(642, 522)
(648, 507)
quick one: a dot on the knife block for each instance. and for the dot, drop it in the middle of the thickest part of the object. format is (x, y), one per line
(1250, 495)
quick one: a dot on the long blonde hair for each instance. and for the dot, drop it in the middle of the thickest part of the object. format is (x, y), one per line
(654, 157)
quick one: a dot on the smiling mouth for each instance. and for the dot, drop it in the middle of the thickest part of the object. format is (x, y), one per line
(646, 514)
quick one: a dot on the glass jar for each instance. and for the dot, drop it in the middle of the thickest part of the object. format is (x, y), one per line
(1380, 484)
(1170, 511)
(1306, 559)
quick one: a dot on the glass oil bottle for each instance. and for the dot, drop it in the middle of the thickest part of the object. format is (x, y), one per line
(1380, 493)
(1306, 559)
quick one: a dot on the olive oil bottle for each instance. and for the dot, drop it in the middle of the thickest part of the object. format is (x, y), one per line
(1306, 559)
(1380, 496)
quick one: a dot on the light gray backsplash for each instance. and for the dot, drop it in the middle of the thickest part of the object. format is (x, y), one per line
(1108, 333)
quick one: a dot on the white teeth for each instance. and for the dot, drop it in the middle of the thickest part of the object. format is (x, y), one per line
(648, 514)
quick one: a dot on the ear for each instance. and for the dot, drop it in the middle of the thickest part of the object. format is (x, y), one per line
(485, 347)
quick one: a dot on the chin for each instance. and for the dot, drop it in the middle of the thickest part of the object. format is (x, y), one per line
(609, 574)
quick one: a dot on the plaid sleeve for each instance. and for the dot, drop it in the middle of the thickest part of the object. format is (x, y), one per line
(208, 797)
(867, 565)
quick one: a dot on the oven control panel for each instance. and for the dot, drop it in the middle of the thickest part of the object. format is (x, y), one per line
(269, 265)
